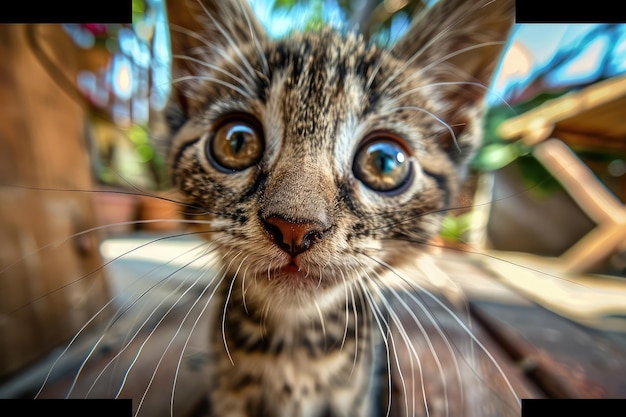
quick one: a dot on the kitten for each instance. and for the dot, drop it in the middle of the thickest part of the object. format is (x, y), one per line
(321, 162)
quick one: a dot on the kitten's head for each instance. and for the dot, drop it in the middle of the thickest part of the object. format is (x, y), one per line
(321, 157)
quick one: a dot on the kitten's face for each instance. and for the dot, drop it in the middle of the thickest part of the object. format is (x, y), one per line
(320, 158)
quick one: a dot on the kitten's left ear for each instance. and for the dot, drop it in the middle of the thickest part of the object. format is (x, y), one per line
(459, 40)
(458, 43)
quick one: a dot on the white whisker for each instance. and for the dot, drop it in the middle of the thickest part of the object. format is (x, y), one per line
(424, 333)
(462, 325)
(396, 98)
(211, 46)
(231, 42)
(257, 45)
(388, 339)
(127, 342)
(214, 80)
(434, 116)
(116, 315)
(195, 323)
(206, 64)
(228, 295)
(143, 344)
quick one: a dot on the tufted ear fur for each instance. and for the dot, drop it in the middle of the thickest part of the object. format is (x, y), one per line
(201, 33)
(459, 40)
(457, 44)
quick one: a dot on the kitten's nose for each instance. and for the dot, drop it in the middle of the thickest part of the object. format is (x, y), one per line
(294, 237)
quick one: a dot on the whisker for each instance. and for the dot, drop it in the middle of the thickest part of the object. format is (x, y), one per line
(206, 64)
(462, 325)
(230, 41)
(434, 116)
(60, 241)
(93, 271)
(425, 334)
(244, 290)
(490, 90)
(69, 345)
(228, 295)
(321, 317)
(140, 192)
(213, 47)
(257, 45)
(103, 227)
(193, 327)
(127, 343)
(116, 316)
(477, 252)
(206, 287)
(407, 63)
(345, 329)
(213, 80)
(388, 340)
(356, 328)
(387, 306)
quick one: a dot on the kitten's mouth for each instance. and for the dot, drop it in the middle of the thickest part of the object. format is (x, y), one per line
(294, 273)
(291, 268)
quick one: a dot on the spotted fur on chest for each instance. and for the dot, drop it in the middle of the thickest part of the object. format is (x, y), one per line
(320, 162)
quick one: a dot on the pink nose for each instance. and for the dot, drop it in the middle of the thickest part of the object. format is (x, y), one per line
(293, 237)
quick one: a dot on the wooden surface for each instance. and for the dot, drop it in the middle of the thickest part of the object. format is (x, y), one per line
(594, 117)
(43, 300)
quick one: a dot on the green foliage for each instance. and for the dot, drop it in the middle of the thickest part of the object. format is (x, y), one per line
(454, 227)
(284, 4)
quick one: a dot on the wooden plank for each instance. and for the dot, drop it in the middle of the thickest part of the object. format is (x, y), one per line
(562, 357)
(46, 292)
(565, 359)
(596, 109)
(459, 377)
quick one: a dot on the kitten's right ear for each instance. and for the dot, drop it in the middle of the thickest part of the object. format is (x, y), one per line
(459, 40)
(200, 31)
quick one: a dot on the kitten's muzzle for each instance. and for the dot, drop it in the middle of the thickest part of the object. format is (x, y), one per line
(294, 237)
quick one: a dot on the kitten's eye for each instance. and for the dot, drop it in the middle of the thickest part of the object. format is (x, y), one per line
(382, 163)
(236, 145)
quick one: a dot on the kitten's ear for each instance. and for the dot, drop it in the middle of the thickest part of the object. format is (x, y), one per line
(202, 30)
(458, 43)
(459, 40)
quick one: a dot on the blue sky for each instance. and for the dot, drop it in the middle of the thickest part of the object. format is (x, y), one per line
(539, 43)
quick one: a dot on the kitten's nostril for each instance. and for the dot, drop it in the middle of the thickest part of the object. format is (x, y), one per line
(293, 237)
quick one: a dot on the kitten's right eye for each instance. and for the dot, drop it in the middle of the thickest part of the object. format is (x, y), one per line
(383, 163)
(236, 144)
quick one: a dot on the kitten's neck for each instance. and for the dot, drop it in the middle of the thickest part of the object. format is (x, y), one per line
(329, 364)
(250, 320)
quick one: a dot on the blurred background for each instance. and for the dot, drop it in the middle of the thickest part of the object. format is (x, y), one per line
(81, 101)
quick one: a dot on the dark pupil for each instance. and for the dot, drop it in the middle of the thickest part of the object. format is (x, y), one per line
(385, 162)
(237, 138)
(385, 157)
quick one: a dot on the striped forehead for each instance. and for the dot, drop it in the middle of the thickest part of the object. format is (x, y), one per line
(318, 91)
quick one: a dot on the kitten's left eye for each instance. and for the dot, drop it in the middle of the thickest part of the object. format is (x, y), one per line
(236, 144)
(382, 163)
